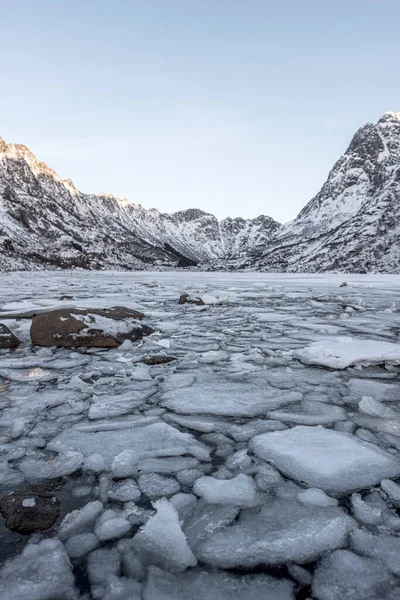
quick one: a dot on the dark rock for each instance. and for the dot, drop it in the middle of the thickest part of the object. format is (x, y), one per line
(344, 284)
(186, 299)
(100, 328)
(160, 359)
(33, 508)
(7, 338)
(186, 262)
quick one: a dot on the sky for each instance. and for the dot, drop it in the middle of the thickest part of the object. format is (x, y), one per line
(236, 107)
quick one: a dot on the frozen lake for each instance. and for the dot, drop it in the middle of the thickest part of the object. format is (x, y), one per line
(262, 463)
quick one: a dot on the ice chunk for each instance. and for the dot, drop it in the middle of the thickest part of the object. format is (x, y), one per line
(228, 398)
(156, 439)
(189, 476)
(211, 299)
(163, 541)
(125, 464)
(243, 432)
(9, 477)
(200, 585)
(385, 425)
(335, 462)
(368, 515)
(392, 490)
(316, 497)
(214, 356)
(241, 490)
(184, 505)
(41, 572)
(383, 392)
(113, 406)
(268, 477)
(282, 530)
(94, 462)
(239, 461)
(81, 544)
(173, 464)
(309, 413)
(155, 486)
(197, 423)
(63, 464)
(79, 520)
(126, 491)
(345, 576)
(342, 352)
(112, 528)
(178, 380)
(383, 547)
(372, 407)
(103, 565)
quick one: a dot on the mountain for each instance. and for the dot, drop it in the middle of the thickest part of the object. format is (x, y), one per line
(45, 222)
(351, 225)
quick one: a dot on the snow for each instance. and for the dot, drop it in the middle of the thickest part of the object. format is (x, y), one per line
(333, 461)
(343, 352)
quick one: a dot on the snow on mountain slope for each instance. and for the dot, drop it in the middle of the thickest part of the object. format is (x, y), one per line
(46, 222)
(351, 225)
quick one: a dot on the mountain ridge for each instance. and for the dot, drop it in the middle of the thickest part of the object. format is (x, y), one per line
(350, 225)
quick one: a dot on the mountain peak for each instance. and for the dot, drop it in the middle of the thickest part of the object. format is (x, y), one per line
(389, 115)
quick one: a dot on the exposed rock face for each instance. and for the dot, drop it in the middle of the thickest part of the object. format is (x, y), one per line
(352, 224)
(100, 328)
(7, 338)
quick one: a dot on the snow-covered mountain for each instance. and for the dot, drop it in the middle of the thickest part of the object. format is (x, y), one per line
(351, 225)
(45, 222)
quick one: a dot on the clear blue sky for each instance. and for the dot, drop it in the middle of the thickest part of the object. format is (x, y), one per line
(238, 107)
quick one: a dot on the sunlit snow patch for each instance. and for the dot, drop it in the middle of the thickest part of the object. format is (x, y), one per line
(342, 352)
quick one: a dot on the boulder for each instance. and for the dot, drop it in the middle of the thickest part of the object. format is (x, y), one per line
(32, 508)
(186, 299)
(100, 328)
(7, 338)
(159, 359)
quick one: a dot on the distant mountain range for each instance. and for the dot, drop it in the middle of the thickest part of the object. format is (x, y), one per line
(351, 225)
